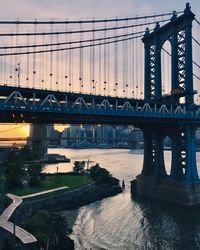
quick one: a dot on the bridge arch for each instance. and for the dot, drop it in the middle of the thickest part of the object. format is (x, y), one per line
(167, 154)
(166, 72)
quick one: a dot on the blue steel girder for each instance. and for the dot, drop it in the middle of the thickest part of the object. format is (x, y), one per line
(181, 61)
(179, 33)
(152, 70)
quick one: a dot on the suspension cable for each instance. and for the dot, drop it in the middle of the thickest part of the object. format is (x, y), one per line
(70, 48)
(72, 42)
(81, 31)
(90, 20)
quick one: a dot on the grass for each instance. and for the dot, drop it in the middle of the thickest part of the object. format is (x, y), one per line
(54, 181)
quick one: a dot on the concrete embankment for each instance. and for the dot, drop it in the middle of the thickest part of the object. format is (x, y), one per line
(65, 200)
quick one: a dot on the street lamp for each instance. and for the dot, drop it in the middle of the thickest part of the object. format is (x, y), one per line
(17, 69)
(57, 168)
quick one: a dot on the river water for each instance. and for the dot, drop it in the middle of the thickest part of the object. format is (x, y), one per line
(123, 223)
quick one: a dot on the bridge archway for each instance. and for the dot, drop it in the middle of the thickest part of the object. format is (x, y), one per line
(167, 154)
(166, 77)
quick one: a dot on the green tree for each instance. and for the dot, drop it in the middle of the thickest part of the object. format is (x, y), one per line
(26, 153)
(99, 175)
(34, 172)
(50, 230)
(79, 167)
(14, 171)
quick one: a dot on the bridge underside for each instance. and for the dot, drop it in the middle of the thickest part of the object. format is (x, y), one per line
(32, 117)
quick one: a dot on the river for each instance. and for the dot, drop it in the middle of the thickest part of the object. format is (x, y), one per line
(123, 223)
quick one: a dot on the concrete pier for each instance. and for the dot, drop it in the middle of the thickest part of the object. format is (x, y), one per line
(179, 193)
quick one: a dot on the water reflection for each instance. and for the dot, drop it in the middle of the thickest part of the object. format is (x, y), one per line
(166, 226)
(122, 222)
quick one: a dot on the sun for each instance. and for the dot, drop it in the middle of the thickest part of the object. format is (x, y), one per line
(25, 130)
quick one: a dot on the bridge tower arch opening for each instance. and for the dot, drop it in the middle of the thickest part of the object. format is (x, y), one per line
(166, 71)
(167, 143)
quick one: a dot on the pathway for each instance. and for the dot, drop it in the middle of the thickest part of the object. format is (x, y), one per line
(20, 233)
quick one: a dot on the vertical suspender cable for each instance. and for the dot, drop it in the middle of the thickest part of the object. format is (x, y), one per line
(116, 62)
(108, 74)
(57, 63)
(39, 70)
(16, 57)
(11, 62)
(105, 61)
(130, 54)
(141, 58)
(133, 66)
(34, 55)
(51, 58)
(99, 69)
(27, 64)
(62, 71)
(81, 60)
(72, 70)
(136, 63)
(70, 65)
(66, 60)
(42, 66)
(93, 59)
(126, 62)
(90, 65)
(124, 65)
(46, 70)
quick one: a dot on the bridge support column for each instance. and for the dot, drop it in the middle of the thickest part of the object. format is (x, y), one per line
(159, 156)
(38, 139)
(148, 163)
(191, 174)
(176, 173)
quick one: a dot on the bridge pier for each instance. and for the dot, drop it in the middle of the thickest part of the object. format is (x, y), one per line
(182, 185)
(38, 139)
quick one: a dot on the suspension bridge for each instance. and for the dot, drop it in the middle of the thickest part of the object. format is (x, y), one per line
(141, 70)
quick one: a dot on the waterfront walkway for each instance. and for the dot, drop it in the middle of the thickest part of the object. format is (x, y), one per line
(20, 233)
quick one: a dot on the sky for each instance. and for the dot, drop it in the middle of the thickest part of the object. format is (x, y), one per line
(88, 8)
(75, 9)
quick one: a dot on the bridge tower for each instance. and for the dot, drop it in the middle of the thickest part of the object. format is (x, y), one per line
(181, 186)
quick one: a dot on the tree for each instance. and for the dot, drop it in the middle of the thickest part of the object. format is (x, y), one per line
(79, 167)
(99, 175)
(26, 153)
(34, 171)
(14, 171)
(50, 230)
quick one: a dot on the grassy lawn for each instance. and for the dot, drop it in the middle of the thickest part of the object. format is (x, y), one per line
(54, 181)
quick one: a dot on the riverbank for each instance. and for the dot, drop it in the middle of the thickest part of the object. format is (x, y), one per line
(63, 200)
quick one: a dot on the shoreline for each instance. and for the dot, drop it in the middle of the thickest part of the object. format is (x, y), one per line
(66, 203)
